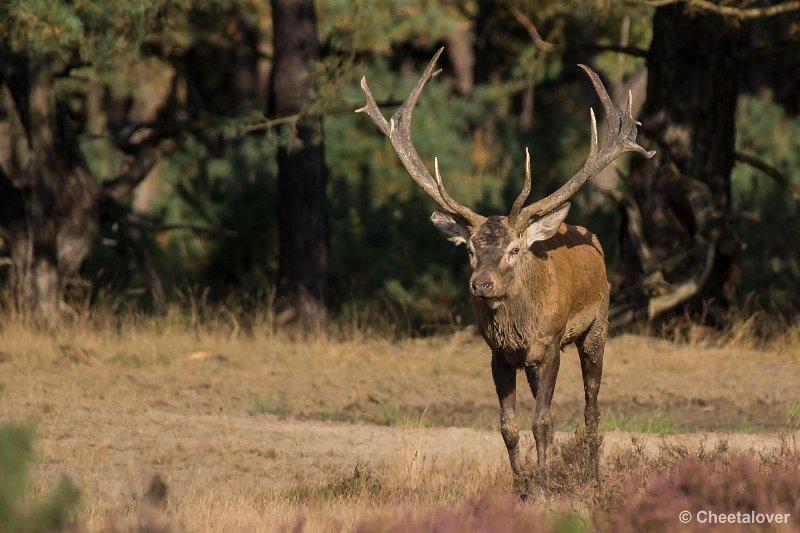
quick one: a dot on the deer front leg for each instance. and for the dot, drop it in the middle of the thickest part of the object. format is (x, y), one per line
(505, 381)
(542, 379)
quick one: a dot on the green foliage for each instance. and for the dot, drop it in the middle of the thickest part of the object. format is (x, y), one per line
(379, 25)
(571, 523)
(770, 261)
(657, 423)
(233, 189)
(388, 264)
(61, 31)
(42, 27)
(53, 511)
(384, 245)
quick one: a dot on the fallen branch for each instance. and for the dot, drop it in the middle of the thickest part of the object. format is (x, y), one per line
(683, 291)
(677, 294)
(657, 295)
(634, 226)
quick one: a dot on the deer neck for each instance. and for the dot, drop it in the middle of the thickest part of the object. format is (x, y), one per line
(511, 325)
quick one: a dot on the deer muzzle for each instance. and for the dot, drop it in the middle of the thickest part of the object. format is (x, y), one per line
(482, 287)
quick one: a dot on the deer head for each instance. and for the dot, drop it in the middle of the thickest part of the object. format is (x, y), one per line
(496, 244)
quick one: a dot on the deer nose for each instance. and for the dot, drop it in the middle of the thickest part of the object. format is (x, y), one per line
(482, 287)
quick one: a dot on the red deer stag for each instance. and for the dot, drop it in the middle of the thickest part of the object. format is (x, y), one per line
(537, 284)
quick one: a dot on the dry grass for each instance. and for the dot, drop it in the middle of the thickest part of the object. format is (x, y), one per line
(639, 491)
(251, 430)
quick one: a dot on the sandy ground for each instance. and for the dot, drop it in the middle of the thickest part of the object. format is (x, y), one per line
(225, 419)
(283, 453)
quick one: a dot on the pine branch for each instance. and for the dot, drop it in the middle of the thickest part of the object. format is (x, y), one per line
(159, 130)
(779, 177)
(526, 23)
(121, 187)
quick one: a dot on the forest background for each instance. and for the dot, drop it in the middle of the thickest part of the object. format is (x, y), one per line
(159, 153)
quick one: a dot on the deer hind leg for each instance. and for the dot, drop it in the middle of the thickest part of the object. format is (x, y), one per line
(505, 381)
(542, 380)
(590, 350)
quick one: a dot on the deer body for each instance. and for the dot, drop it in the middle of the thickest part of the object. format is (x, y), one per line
(537, 284)
(535, 291)
(565, 274)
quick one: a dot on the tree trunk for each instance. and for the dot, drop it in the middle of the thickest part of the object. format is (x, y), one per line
(483, 45)
(683, 194)
(51, 227)
(303, 272)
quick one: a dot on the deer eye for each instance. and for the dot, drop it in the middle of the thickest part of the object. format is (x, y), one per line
(515, 250)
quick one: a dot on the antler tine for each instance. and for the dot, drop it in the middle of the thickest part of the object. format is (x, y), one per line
(398, 130)
(452, 206)
(372, 109)
(620, 138)
(526, 190)
(613, 119)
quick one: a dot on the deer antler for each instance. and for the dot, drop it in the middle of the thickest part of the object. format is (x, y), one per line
(398, 130)
(526, 190)
(620, 138)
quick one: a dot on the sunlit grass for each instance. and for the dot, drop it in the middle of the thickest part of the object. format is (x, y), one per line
(657, 423)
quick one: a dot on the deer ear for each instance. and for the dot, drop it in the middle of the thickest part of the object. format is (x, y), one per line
(545, 227)
(449, 228)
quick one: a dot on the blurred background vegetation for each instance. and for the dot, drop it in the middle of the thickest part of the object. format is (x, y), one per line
(50, 511)
(161, 125)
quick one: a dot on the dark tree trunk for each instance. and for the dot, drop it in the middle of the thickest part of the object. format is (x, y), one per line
(50, 227)
(483, 45)
(50, 204)
(683, 194)
(302, 288)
